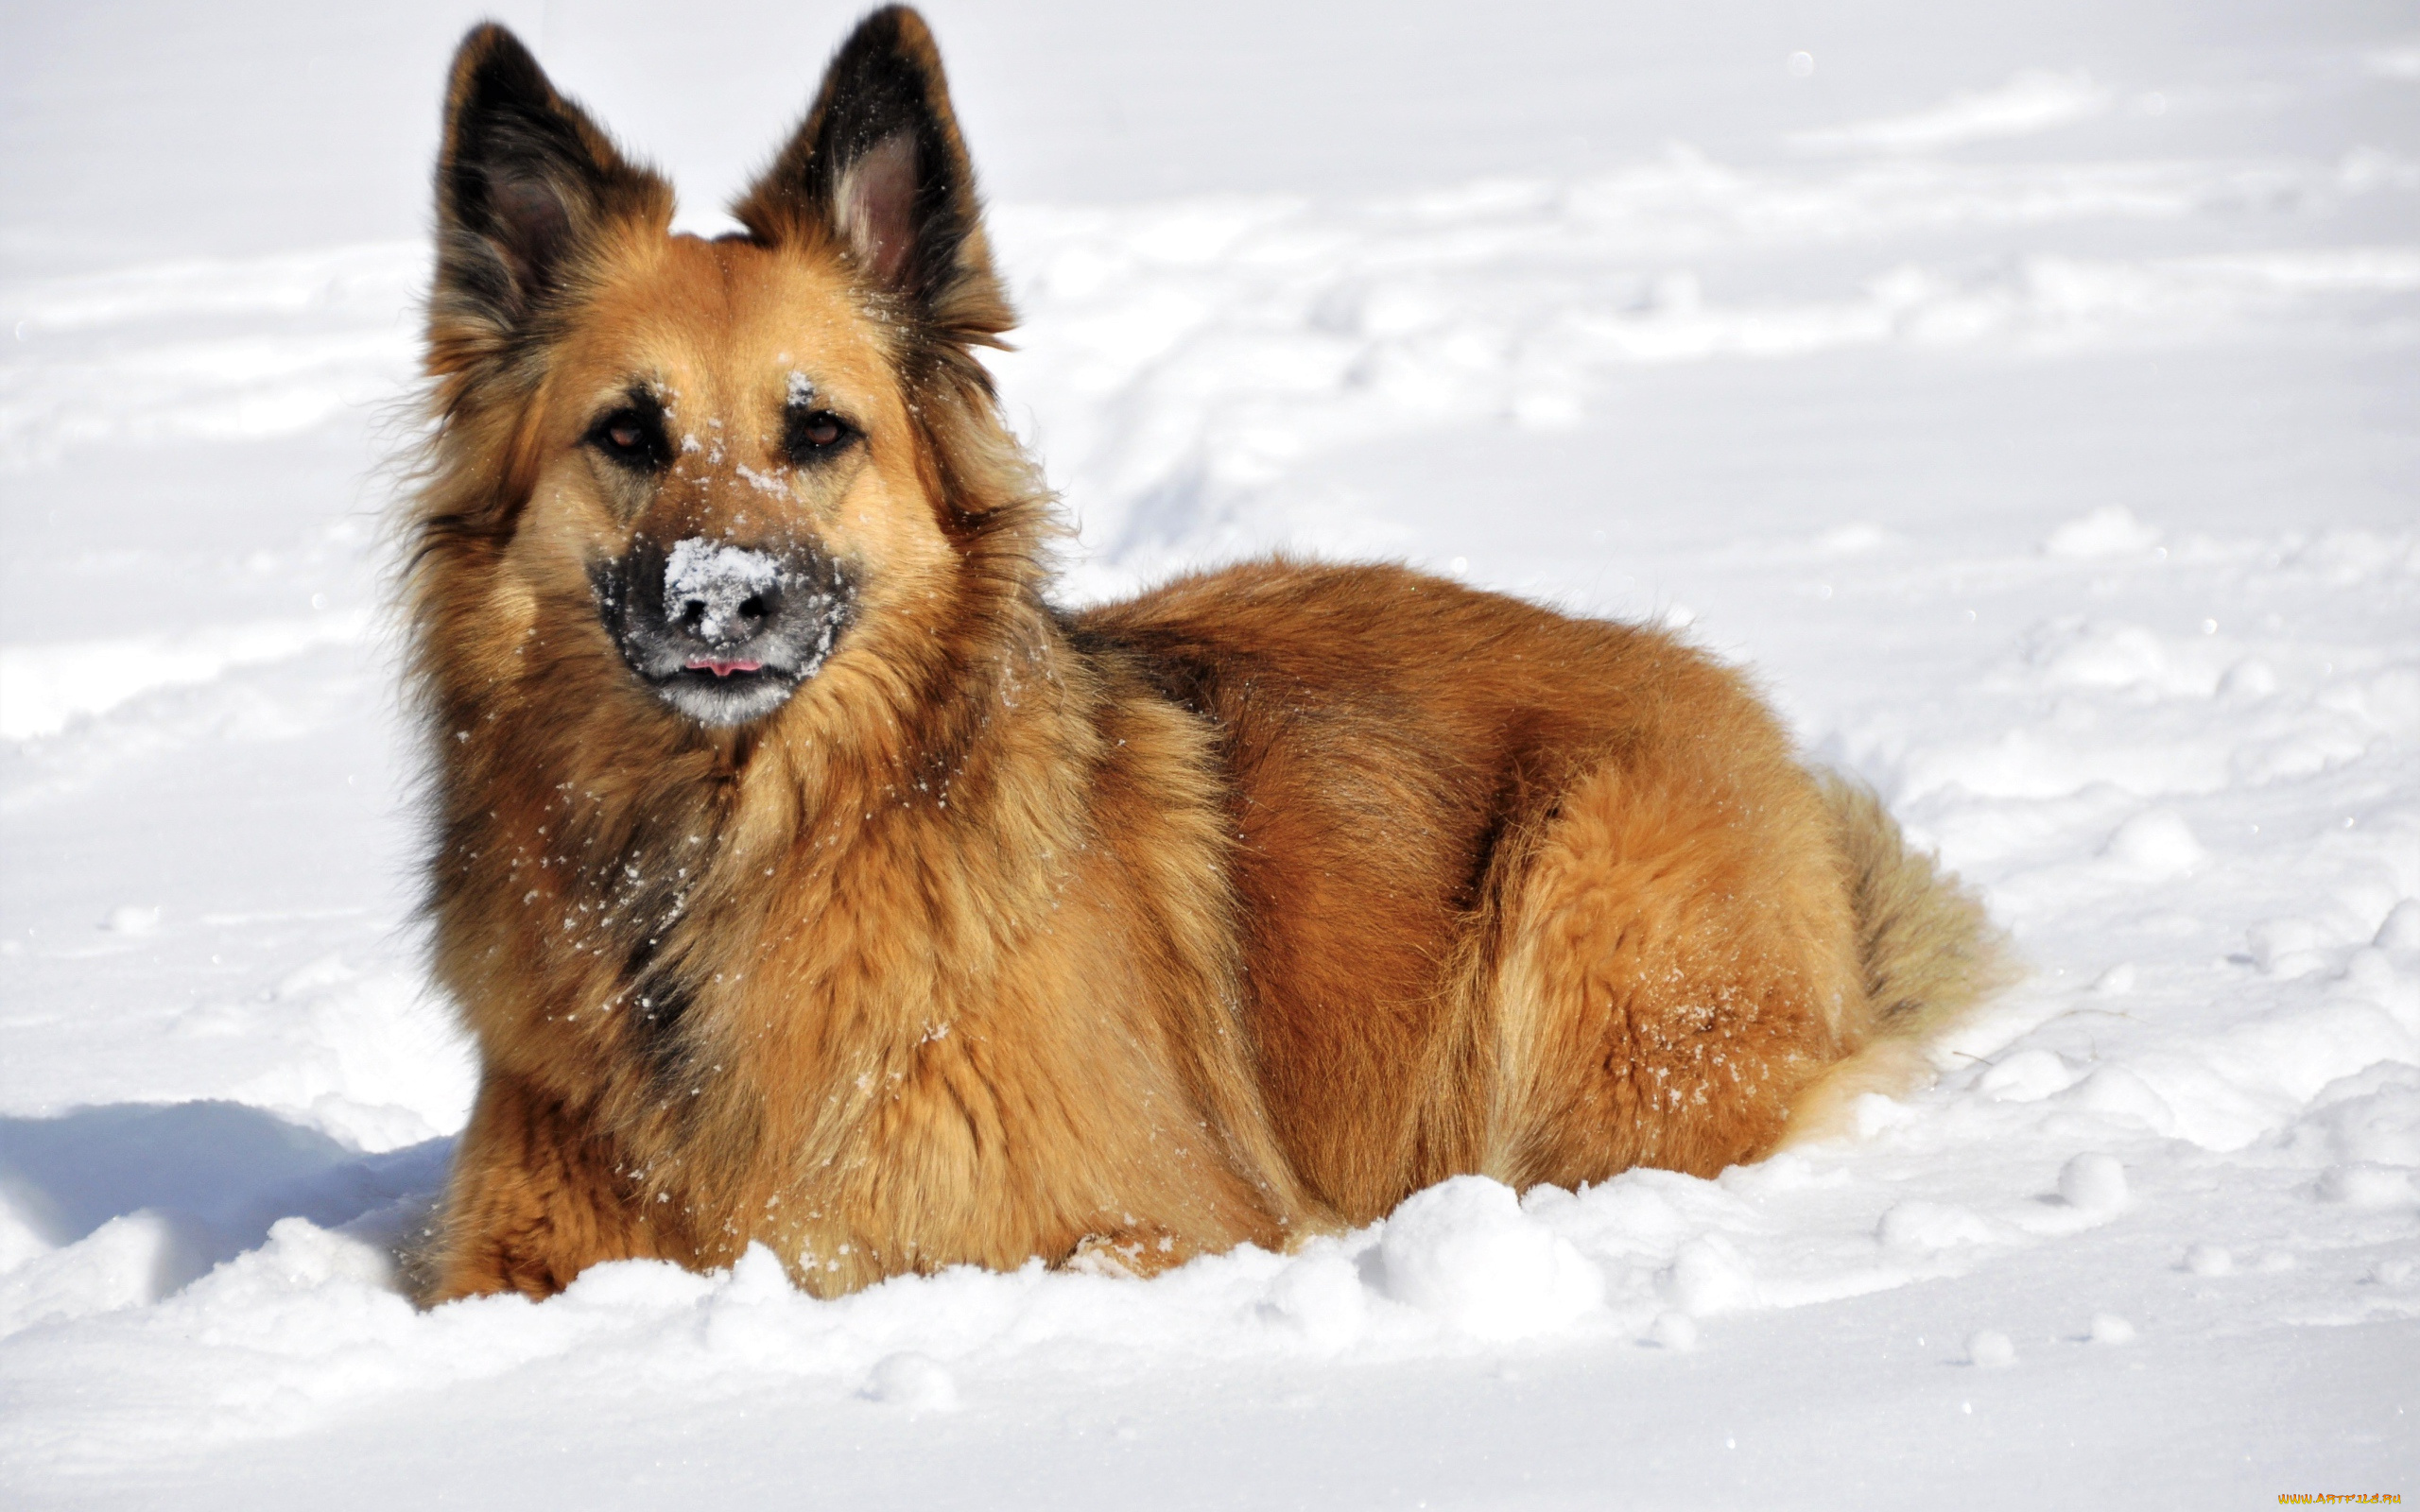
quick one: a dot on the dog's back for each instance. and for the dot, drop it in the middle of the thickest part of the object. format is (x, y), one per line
(1443, 797)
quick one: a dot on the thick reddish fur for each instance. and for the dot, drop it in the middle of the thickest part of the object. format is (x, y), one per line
(1226, 915)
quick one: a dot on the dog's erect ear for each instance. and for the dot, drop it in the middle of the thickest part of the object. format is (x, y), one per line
(525, 183)
(879, 167)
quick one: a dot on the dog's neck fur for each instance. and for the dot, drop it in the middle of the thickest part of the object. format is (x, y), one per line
(887, 842)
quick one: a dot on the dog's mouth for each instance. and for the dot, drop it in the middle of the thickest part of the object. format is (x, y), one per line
(721, 668)
(723, 633)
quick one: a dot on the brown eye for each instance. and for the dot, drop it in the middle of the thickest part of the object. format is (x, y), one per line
(811, 434)
(633, 437)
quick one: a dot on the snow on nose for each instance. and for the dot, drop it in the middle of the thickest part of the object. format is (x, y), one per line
(718, 591)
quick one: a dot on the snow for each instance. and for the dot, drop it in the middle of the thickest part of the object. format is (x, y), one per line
(2033, 101)
(717, 576)
(1465, 1251)
(52, 684)
(2094, 1182)
(2025, 396)
(1989, 1350)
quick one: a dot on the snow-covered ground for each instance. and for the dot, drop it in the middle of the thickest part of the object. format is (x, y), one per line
(2032, 398)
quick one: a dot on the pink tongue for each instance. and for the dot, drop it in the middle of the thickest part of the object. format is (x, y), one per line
(722, 669)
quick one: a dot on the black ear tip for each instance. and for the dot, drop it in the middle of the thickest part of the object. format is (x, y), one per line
(486, 41)
(493, 60)
(893, 30)
(898, 20)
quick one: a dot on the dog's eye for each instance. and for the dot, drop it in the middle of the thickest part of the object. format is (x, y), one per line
(815, 434)
(632, 437)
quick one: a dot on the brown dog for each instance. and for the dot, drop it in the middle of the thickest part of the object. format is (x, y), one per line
(806, 877)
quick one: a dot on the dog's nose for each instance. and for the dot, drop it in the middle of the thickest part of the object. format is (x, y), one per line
(720, 594)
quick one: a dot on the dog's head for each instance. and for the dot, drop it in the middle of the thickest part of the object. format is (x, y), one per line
(732, 463)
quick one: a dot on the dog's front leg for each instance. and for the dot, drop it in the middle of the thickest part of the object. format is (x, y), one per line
(536, 1197)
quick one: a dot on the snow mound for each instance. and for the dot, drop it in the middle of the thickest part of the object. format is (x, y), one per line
(1465, 1250)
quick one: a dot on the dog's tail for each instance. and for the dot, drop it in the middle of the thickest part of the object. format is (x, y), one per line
(1930, 952)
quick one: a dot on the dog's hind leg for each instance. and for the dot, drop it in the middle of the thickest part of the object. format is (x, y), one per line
(536, 1197)
(1677, 960)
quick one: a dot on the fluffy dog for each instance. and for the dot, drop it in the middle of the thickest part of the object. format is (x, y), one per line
(805, 876)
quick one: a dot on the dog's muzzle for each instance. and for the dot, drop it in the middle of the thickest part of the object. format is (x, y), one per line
(723, 633)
